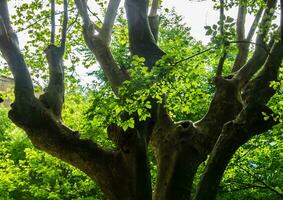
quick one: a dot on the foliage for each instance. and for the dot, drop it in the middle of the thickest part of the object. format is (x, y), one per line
(166, 78)
(256, 170)
(183, 85)
(27, 173)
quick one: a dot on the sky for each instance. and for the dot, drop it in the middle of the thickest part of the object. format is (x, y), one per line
(197, 14)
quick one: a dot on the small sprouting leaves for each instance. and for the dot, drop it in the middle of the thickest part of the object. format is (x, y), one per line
(228, 27)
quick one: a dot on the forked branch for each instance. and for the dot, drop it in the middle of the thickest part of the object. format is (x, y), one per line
(243, 48)
(249, 122)
(45, 132)
(53, 97)
(142, 42)
(98, 44)
(259, 55)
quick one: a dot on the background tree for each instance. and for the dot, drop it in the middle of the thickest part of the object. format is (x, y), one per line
(144, 90)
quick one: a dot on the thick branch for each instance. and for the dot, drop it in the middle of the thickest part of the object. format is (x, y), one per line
(52, 37)
(54, 138)
(121, 175)
(259, 56)
(225, 104)
(82, 8)
(100, 48)
(242, 51)
(224, 107)
(154, 20)
(254, 25)
(53, 97)
(142, 42)
(243, 48)
(105, 58)
(109, 20)
(235, 133)
(248, 123)
(258, 89)
(241, 21)
(5, 18)
(40, 126)
(64, 26)
(154, 26)
(154, 8)
(11, 53)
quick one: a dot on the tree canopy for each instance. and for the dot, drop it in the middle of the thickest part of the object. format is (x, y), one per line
(176, 113)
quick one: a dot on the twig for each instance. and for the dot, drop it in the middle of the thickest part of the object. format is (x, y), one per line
(261, 181)
(95, 15)
(73, 22)
(194, 55)
(245, 186)
(39, 20)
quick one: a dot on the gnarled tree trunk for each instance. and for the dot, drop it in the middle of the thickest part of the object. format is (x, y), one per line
(234, 115)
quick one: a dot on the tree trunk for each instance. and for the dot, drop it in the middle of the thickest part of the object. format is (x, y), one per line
(233, 117)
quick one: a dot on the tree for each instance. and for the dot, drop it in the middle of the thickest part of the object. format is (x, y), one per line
(237, 112)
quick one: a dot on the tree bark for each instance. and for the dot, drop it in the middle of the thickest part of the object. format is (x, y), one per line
(233, 117)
